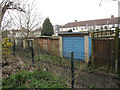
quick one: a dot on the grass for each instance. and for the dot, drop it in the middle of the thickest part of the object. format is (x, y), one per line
(35, 79)
(60, 61)
(41, 55)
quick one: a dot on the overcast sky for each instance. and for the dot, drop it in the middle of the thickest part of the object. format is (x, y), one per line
(63, 11)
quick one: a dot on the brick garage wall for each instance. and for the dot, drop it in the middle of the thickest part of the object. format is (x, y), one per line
(55, 47)
(48, 44)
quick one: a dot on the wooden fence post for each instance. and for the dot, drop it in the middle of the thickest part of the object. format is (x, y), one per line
(72, 69)
(92, 51)
(117, 51)
(61, 46)
(86, 50)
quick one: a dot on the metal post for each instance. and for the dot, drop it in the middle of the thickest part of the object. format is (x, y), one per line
(117, 51)
(72, 69)
(32, 54)
(14, 49)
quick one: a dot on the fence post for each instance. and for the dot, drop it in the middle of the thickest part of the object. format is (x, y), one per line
(117, 51)
(92, 51)
(14, 48)
(32, 54)
(72, 69)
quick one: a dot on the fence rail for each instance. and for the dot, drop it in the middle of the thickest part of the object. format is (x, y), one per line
(104, 33)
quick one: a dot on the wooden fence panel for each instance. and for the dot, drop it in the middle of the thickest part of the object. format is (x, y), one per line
(119, 55)
(104, 52)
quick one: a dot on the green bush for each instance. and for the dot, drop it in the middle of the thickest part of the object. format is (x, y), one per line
(37, 79)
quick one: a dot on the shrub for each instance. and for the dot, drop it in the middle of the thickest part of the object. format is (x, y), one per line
(6, 48)
(36, 79)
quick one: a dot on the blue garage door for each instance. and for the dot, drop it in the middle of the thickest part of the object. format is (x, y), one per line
(73, 44)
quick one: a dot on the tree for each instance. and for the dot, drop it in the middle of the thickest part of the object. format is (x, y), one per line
(47, 28)
(10, 5)
(27, 21)
(6, 5)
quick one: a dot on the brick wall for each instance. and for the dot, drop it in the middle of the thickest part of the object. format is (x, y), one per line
(48, 44)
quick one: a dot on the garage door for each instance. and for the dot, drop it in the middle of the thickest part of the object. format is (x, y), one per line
(73, 44)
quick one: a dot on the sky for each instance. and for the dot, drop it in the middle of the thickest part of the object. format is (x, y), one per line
(61, 12)
(64, 11)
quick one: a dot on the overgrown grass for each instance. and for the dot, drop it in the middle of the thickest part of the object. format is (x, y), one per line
(41, 55)
(60, 61)
(36, 79)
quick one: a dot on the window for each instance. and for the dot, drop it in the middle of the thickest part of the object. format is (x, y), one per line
(113, 26)
(101, 27)
(73, 28)
(105, 27)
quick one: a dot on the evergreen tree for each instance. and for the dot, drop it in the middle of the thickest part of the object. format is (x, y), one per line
(47, 28)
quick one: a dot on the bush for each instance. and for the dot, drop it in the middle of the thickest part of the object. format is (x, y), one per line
(37, 79)
(6, 48)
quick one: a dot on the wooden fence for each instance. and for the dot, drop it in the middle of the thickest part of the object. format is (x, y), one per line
(106, 48)
(48, 44)
(104, 52)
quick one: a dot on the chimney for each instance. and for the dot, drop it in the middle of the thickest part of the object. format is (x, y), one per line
(112, 16)
(75, 20)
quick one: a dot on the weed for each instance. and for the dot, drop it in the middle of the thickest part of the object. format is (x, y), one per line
(36, 79)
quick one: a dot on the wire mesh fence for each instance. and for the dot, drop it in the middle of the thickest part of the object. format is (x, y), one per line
(62, 66)
(77, 55)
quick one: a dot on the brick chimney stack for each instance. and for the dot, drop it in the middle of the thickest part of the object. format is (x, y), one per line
(75, 20)
(112, 16)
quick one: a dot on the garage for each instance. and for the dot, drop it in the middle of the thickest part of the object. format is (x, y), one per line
(79, 43)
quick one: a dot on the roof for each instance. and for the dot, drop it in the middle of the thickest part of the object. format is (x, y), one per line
(74, 33)
(15, 31)
(92, 22)
(38, 30)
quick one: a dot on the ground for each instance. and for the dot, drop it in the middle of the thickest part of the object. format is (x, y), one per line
(60, 67)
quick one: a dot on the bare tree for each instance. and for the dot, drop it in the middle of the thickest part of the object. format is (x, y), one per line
(28, 21)
(10, 5)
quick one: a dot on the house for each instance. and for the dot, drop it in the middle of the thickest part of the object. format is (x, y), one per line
(56, 29)
(91, 25)
(18, 33)
(24, 33)
(36, 33)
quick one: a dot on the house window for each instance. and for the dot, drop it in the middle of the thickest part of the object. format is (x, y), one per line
(76, 28)
(73, 28)
(81, 28)
(105, 27)
(101, 27)
(113, 26)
